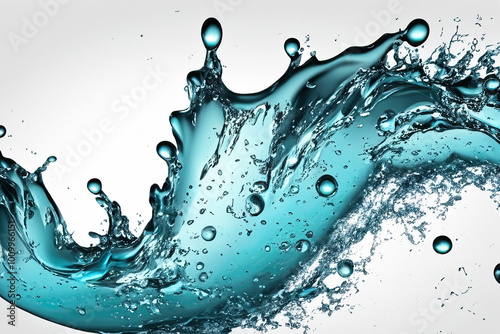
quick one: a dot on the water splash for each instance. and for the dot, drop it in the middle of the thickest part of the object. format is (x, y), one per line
(261, 190)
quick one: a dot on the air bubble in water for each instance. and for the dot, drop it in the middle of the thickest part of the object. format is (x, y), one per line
(302, 246)
(208, 233)
(326, 185)
(254, 204)
(81, 311)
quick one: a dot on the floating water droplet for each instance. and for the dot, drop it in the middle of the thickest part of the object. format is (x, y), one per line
(345, 268)
(496, 272)
(309, 234)
(166, 150)
(94, 186)
(52, 159)
(211, 33)
(292, 46)
(267, 248)
(208, 233)
(203, 276)
(81, 311)
(492, 84)
(326, 186)
(302, 246)
(254, 204)
(200, 266)
(417, 32)
(294, 189)
(3, 131)
(442, 244)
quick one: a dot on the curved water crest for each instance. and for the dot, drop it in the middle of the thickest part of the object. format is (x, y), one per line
(259, 187)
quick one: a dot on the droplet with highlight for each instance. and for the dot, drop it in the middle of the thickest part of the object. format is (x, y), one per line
(345, 268)
(496, 273)
(417, 32)
(292, 47)
(442, 244)
(166, 150)
(94, 186)
(211, 33)
(3, 131)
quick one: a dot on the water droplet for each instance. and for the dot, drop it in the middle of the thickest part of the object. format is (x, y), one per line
(417, 32)
(254, 204)
(267, 248)
(166, 150)
(81, 311)
(208, 233)
(200, 266)
(491, 84)
(211, 33)
(52, 159)
(203, 276)
(302, 246)
(263, 222)
(292, 46)
(326, 186)
(345, 268)
(442, 244)
(294, 189)
(94, 186)
(3, 131)
(496, 273)
(309, 234)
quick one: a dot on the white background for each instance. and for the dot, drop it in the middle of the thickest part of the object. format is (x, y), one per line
(66, 76)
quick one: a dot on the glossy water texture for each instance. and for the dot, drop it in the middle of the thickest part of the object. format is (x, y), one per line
(265, 192)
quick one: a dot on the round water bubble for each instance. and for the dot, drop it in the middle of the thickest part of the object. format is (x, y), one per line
(417, 32)
(345, 268)
(492, 84)
(81, 311)
(442, 244)
(292, 46)
(200, 266)
(302, 246)
(211, 33)
(254, 204)
(309, 234)
(94, 186)
(267, 248)
(326, 186)
(208, 233)
(496, 272)
(3, 131)
(166, 150)
(203, 276)
(294, 189)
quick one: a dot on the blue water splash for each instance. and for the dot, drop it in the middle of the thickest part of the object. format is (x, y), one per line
(259, 185)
